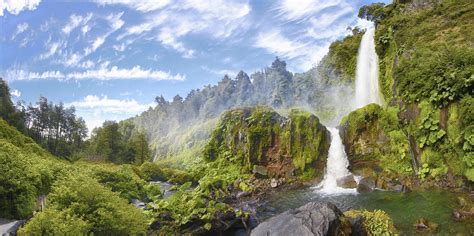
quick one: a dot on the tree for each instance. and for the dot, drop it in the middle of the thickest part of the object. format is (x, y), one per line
(7, 110)
(373, 12)
(139, 144)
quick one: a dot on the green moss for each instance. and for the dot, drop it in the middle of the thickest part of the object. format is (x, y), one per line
(376, 222)
(257, 136)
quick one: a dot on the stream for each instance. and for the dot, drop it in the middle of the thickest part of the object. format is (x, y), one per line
(403, 208)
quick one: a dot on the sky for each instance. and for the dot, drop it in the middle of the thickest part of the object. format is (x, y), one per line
(111, 58)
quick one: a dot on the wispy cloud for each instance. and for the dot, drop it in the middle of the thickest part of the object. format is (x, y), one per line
(20, 28)
(103, 73)
(219, 72)
(16, 6)
(115, 24)
(76, 21)
(295, 10)
(218, 19)
(139, 5)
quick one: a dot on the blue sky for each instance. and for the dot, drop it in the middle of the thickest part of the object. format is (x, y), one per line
(110, 58)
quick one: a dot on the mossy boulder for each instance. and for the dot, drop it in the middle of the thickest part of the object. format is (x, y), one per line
(375, 222)
(286, 146)
(374, 142)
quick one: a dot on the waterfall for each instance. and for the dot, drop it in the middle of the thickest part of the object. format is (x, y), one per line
(366, 92)
(336, 167)
(367, 83)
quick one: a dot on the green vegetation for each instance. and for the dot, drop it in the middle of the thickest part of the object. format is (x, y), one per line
(339, 65)
(109, 144)
(375, 222)
(372, 133)
(80, 201)
(430, 47)
(260, 136)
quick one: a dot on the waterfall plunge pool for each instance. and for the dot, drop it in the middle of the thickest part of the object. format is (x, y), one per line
(404, 208)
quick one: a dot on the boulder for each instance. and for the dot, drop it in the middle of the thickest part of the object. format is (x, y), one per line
(310, 219)
(260, 171)
(366, 185)
(347, 182)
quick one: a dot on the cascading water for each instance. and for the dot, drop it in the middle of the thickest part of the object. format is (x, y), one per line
(367, 73)
(336, 167)
(366, 92)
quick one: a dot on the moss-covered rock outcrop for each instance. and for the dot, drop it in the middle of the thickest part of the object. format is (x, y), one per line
(372, 138)
(252, 137)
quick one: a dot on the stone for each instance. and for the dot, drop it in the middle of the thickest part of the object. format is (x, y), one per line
(366, 185)
(347, 182)
(314, 218)
(260, 171)
(242, 194)
(423, 225)
(357, 225)
(274, 183)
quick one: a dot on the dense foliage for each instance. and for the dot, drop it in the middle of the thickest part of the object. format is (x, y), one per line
(111, 144)
(54, 127)
(89, 207)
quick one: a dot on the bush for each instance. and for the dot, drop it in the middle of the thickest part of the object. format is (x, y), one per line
(81, 197)
(376, 222)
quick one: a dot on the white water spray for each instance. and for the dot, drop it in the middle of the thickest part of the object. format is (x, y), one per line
(366, 92)
(336, 168)
(367, 73)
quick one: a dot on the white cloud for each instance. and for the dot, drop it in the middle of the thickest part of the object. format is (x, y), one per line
(219, 72)
(110, 105)
(95, 110)
(295, 10)
(120, 47)
(103, 73)
(275, 43)
(139, 5)
(53, 48)
(169, 38)
(219, 19)
(16, 6)
(76, 21)
(86, 64)
(115, 73)
(115, 24)
(20, 28)
(15, 93)
(12, 75)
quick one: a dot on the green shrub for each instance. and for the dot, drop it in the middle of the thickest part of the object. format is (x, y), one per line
(376, 222)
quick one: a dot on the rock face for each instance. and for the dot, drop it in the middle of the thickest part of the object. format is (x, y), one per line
(310, 219)
(366, 185)
(270, 145)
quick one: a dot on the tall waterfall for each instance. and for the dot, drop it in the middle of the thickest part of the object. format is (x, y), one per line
(367, 73)
(366, 92)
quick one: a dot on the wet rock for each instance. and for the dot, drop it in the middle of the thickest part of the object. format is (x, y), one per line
(460, 215)
(310, 219)
(347, 182)
(260, 171)
(357, 224)
(274, 183)
(397, 187)
(423, 225)
(366, 185)
(242, 194)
